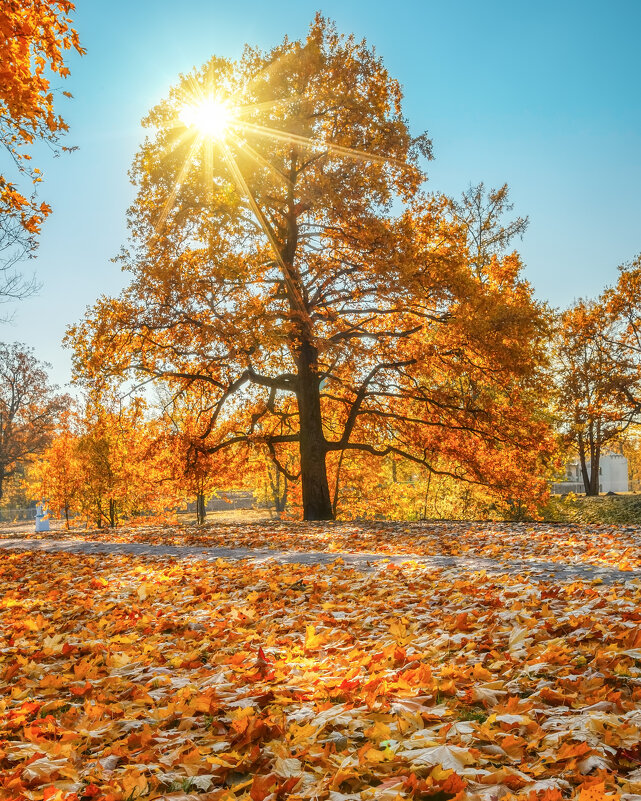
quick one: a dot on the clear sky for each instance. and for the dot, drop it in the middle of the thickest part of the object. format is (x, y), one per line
(542, 95)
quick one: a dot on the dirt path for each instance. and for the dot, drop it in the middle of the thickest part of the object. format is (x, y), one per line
(535, 570)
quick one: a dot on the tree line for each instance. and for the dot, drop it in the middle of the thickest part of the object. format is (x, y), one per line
(105, 457)
(299, 300)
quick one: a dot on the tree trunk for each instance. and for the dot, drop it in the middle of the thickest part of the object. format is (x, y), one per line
(317, 504)
(584, 467)
(279, 498)
(595, 449)
(337, 483)
(594, 472)
(427, 492)
(201, 511)
(112, 513)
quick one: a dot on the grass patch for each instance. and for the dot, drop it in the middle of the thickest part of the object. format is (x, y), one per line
(606, 509)
(475, 713)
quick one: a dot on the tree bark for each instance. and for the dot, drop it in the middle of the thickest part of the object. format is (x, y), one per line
(317, 504)
(427, 492)
(591, 475)
(337, 482)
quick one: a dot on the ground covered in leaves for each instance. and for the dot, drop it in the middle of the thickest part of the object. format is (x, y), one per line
(143, 678)
(600, 545)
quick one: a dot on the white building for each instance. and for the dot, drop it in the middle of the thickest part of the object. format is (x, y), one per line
(613, 475)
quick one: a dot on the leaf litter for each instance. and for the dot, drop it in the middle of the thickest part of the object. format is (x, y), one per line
(602, 545)
(138, 677)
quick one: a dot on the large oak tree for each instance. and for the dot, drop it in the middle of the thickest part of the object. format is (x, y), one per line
(282, 252)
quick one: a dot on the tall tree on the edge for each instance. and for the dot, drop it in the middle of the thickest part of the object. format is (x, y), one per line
(281, 249)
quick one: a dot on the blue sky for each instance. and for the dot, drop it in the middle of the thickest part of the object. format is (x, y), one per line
(541, 95)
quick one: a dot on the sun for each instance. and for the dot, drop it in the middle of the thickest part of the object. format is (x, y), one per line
(211, 117)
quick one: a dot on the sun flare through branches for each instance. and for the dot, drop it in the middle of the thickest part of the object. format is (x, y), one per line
(211, 117)
(220, 125)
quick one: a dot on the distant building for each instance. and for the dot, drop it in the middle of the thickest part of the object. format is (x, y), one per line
(613, 475)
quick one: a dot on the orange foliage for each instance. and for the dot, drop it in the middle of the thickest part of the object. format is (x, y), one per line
(597, 380)
(104, 464)
(29, 409)
(34, 35)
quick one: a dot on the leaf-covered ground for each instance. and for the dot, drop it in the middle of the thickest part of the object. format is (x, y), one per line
(601, 545)
(143, 678)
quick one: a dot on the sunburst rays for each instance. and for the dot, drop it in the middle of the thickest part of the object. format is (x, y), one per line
(220, 124)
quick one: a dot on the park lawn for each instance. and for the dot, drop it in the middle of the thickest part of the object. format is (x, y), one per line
(128, 677)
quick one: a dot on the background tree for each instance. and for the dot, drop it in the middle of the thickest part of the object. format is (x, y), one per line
(29, 408)
(34, 35)
(193, 474)
(107, 460)
(596, 379)
(278, 273)
(488, 235)
(57, 474)
(121, 470)
(622, 309)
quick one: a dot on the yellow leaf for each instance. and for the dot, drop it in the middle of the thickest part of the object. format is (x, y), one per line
(313, 640)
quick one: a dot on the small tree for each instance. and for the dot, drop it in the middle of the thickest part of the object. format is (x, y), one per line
(29, 408)
(192, 472)
(622, 309)
(56, 474)
(116, 459)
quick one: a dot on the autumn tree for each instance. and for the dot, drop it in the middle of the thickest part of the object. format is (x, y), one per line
(57, 474)
(597, 381)
(283, 253)
(121, 471)
(622, 311)
(481, 215)
(598, 370)
(193, 474)
(34, 35)
(29, 408)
